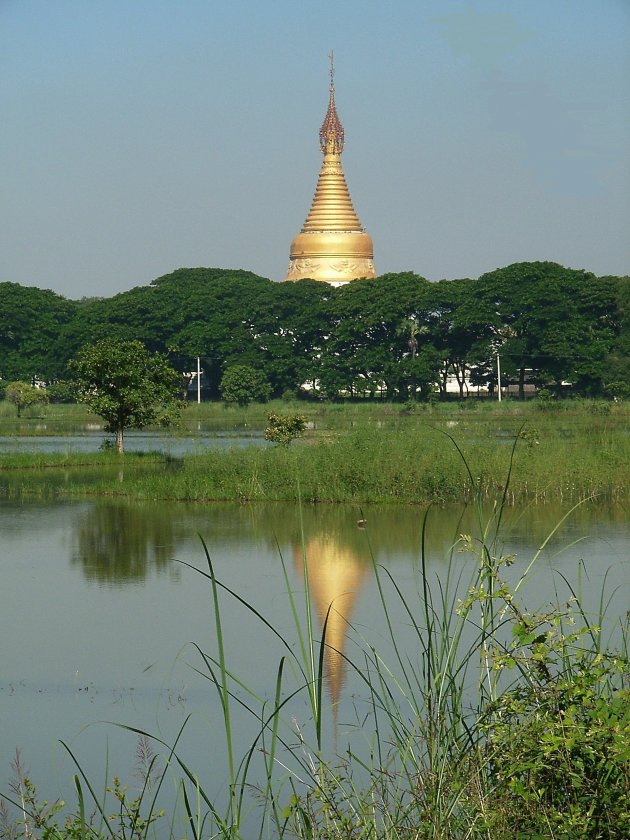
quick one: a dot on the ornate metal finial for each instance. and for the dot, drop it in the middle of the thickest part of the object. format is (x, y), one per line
(331, 133)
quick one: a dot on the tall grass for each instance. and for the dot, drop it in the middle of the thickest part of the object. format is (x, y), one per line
(366, 451)
(497, 721)
(411, 463)
(324, 416)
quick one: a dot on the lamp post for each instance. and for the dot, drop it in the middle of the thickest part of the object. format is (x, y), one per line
(499, 376)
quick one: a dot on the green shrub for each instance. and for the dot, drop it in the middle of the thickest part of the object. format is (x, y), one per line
(530, 435)
(242, 384)
(559, 751)
(618, 390)
(409, 407)
(128, 817)
(545, 401)
(62, 392)
(23, 395)
(600, 407)
(283, 428)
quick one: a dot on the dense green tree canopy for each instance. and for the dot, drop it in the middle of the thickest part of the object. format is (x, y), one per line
(553, 321)
(34, 328)
(399, 334)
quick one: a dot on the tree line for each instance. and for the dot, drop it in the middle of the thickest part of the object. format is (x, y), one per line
(398, 335)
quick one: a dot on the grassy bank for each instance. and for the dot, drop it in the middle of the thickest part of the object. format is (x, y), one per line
(323, 416)
(354, 454)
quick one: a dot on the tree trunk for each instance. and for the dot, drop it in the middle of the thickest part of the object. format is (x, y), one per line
(460, 375)
(521, 384)
(119, 441)
(442, 381)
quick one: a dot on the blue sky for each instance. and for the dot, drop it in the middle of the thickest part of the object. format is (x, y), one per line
(140, 136)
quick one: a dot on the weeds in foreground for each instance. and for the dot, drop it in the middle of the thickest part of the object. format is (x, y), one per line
(51, 821)
(496, 722)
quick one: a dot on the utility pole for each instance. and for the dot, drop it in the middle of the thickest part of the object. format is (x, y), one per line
(499, 376)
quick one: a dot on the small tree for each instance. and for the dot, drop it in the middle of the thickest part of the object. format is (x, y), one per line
(243, 384)
(127, 386)
(62, 392)
(617, 390)
(21, 394)
(283, 428)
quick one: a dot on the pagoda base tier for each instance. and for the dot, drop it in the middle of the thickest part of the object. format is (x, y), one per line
(330, 269)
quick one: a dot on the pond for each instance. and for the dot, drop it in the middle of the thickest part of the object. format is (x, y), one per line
(99, 613)
(135, 441)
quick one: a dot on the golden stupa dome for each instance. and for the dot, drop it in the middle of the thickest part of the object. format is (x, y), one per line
(335, 578)
(332, 245)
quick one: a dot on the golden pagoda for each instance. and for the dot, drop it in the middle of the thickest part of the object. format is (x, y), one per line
(332, 245)
(335, 577)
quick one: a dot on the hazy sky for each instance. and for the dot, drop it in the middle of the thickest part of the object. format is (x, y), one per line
(139, 136)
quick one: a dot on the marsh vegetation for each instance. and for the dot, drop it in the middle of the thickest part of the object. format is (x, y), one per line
(568, 451)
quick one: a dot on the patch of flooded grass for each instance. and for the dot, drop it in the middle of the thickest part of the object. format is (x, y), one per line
(411, 462)
(50, 475)
(216, 416)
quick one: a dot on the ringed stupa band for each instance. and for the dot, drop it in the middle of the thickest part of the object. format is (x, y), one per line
(332, 246)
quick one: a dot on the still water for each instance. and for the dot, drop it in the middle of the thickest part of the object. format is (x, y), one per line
(99, 613)
(135, 441)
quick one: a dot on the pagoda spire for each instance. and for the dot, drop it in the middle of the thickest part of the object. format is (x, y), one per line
(331, 134)
(332, 245)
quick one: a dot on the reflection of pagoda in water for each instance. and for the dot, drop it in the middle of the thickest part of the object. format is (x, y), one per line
(335, 577)
(332, 245)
